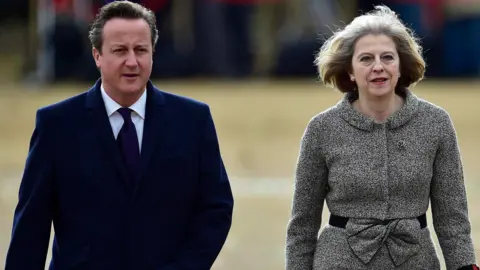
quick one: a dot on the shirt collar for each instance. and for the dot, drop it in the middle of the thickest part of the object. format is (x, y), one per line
(111, 106)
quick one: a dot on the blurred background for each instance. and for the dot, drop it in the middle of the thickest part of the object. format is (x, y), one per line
(252, 61)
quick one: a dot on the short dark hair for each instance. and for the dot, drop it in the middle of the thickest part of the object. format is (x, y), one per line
(124, 10)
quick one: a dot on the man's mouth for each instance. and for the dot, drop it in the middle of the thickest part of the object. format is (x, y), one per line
(130, 75)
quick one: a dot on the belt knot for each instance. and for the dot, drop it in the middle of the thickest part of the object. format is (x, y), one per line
(401, 237)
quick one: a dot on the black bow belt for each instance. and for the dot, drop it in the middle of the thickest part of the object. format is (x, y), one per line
(366, 236)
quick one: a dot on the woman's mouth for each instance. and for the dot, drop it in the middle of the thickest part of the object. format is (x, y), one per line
(379, 81)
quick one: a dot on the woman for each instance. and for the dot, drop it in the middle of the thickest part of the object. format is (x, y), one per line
(378, 157)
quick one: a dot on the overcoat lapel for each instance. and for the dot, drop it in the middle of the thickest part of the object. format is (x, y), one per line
(99, 119)
(154, 130)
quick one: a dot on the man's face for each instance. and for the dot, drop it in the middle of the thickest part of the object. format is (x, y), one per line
(126, 60)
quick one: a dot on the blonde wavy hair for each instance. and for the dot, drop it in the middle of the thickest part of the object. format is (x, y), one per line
(334, 61)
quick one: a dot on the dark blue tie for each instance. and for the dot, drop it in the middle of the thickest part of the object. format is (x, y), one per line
(128, 141)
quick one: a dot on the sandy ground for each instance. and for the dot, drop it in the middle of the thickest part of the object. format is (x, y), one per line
(259, 126)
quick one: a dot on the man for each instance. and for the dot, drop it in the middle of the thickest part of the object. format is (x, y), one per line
(132, 177)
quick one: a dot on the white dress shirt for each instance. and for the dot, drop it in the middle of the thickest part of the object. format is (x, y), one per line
(116, 119)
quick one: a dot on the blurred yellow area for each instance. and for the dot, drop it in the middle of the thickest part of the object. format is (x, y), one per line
(259, 124)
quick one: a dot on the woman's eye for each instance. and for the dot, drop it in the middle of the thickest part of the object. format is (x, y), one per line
(365, 58)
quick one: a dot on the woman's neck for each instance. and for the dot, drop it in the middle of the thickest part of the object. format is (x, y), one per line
(380, 108)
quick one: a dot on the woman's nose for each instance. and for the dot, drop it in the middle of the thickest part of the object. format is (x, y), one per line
(377, 66)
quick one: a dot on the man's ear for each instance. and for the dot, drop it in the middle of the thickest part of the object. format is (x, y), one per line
(96, 56)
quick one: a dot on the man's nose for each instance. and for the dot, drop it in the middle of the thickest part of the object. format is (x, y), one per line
(131, 60)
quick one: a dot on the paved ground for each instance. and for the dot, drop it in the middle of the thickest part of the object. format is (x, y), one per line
(259, 126)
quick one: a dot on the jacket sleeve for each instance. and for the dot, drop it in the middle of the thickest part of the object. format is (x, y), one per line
(33, 214)
(308, 200)
(213, 217)
(449, 201)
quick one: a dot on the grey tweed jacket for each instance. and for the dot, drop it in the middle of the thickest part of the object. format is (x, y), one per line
(371, 172)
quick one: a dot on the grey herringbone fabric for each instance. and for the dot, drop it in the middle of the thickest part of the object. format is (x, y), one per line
(366, 170)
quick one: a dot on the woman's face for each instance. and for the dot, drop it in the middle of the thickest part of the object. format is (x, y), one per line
(375, 66)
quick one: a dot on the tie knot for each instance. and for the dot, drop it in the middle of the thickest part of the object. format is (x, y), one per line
(126, 114)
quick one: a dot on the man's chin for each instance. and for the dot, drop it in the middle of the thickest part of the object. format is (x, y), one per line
(132, 89)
